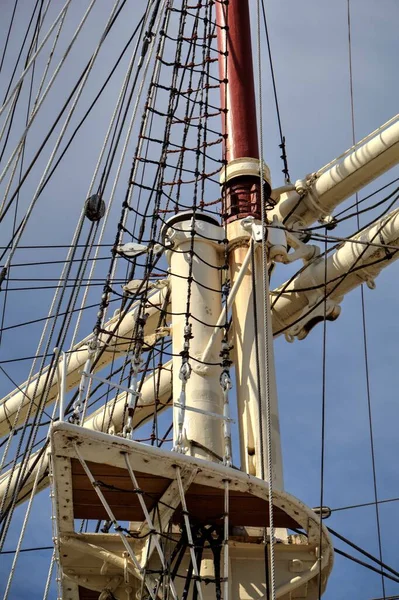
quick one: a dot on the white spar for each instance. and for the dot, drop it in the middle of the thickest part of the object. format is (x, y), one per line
(320, 193)
(15, 406)
(108, 418)
(287, 311)
(299, 305)
(294, 310)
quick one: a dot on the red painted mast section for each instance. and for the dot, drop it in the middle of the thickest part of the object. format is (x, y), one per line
(236, 73)
(237, 90)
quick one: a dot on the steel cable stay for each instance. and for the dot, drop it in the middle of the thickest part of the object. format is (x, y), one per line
(363, 313)
(33, 58)
(75, 286)
(323, 412)
(12, 112)
(364, 552)
(74, 90)
(38, 414)
(8, 34)
(38, 548)
(58, 141)
(34, 43)
(282, 146)
(54, 246)
(392, 574)
(97, 249)
(352, 206)
(156, 21)
(39, 103)
(350, 506)
(41, 319)
(367, 565)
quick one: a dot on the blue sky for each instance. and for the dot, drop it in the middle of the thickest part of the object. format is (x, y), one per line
(309, 41)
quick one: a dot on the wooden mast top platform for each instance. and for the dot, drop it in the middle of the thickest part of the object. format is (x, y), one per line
(139, 489)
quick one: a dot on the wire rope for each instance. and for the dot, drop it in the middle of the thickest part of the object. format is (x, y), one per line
(34, 56)
(46, 91)
(266, 324)
(35, 37)
(64, 127)
(8, 34)
(11, 112)
(284, 158)
(323, 420)
(130, 127)
(363, 311)
(114, 115)
(77, 128)
(364, 504)
(154, 213)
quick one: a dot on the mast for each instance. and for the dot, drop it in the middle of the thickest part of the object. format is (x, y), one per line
(242, 197)
(195, 524)
(236, 74)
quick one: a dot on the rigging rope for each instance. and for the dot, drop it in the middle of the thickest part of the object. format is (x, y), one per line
(282, 146)
(64, 127)
(8, 35)
(32, 47)
(363, 312)
(77, 89)
(265, 408)
(323, 418)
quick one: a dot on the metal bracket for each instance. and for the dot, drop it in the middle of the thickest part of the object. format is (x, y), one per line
(134, 285)
(254, 228)
(301, 329)
(301, 250)
(204, 412)
(132, 249)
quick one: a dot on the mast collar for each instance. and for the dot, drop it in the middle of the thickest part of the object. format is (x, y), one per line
(244, 167)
